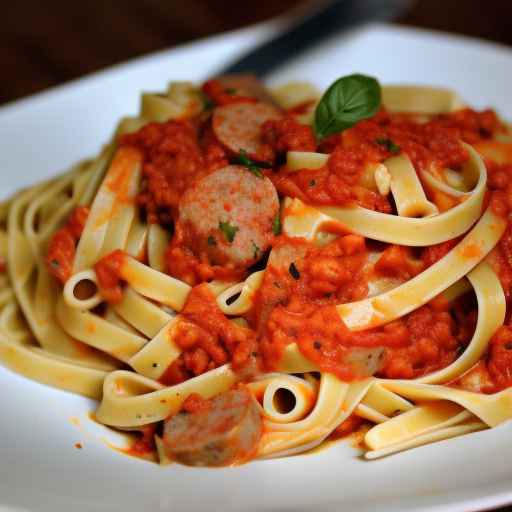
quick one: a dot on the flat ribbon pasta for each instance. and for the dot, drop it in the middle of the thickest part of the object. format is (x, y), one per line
(306, 221)
(419, 290)
(133, 400)
(122, 353)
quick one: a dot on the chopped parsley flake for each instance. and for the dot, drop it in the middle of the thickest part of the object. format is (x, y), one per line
(255, 249)
(208, 104)
(211, 240)
(389, 145)
(228, 230)
(276, 225)
(312, 183)
(253, 166)
(231, 91)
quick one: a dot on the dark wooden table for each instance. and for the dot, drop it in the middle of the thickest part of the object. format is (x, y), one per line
(43, 44)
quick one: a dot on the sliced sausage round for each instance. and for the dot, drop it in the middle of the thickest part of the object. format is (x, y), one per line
(228, 216)
(247, 85)
(224, 433)
(238, 126)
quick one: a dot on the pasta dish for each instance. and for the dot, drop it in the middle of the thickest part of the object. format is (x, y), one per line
(245, 272)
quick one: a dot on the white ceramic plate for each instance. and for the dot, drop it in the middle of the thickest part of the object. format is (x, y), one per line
(40, 469)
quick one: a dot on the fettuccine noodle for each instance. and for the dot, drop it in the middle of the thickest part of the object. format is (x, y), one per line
(229, 287)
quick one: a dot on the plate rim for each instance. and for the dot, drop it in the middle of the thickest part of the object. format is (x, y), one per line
(260, 31)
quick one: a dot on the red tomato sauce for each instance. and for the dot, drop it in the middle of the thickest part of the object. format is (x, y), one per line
(352, 424)
(61, 251)
(3, 265)
(208, 339)
(195, 403)
(297, 300)
(434, 253)
(301, 108)
(192, 266)
(398, 261)
(501, 261)
(433, 143)
(108, 272)
(499, 363)
(222, 95)
(288, 135)
(175, 155)
(144, 442)
(493, 373)
(431, 344)
(302, 310)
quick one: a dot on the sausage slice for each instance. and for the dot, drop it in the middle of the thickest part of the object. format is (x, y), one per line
(228, 215)
(226, 432)
(238, 126)
(247, 85)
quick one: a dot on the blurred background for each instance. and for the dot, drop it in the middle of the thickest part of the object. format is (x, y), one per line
(43, 44)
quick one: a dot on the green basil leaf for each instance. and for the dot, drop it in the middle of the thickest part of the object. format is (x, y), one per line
(347, 101)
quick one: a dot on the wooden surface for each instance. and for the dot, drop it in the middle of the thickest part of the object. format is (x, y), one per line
(45, 43)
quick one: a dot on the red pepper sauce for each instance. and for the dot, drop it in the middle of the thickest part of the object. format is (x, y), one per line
(297, 303)
(172, 160)
(208, 339)
(301, 108)
(108, 272)
(351, 425)
(192, 266)
(432, 143)
(298, 306)
(493, 373)
(61, 251)
(143, 446)
(195, 403)
(500, 198)
(288, 135)
(222, 95)
(499, 363)
(398, 261)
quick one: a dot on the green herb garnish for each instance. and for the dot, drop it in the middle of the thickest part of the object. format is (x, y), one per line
(276, 225)
(253, 166)
(312, 183)
(208, 104)
(230, 90)
(255, 249)
(228, 230)
(211, 240)
(347, 101)
(294, 272)
(389, 145)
